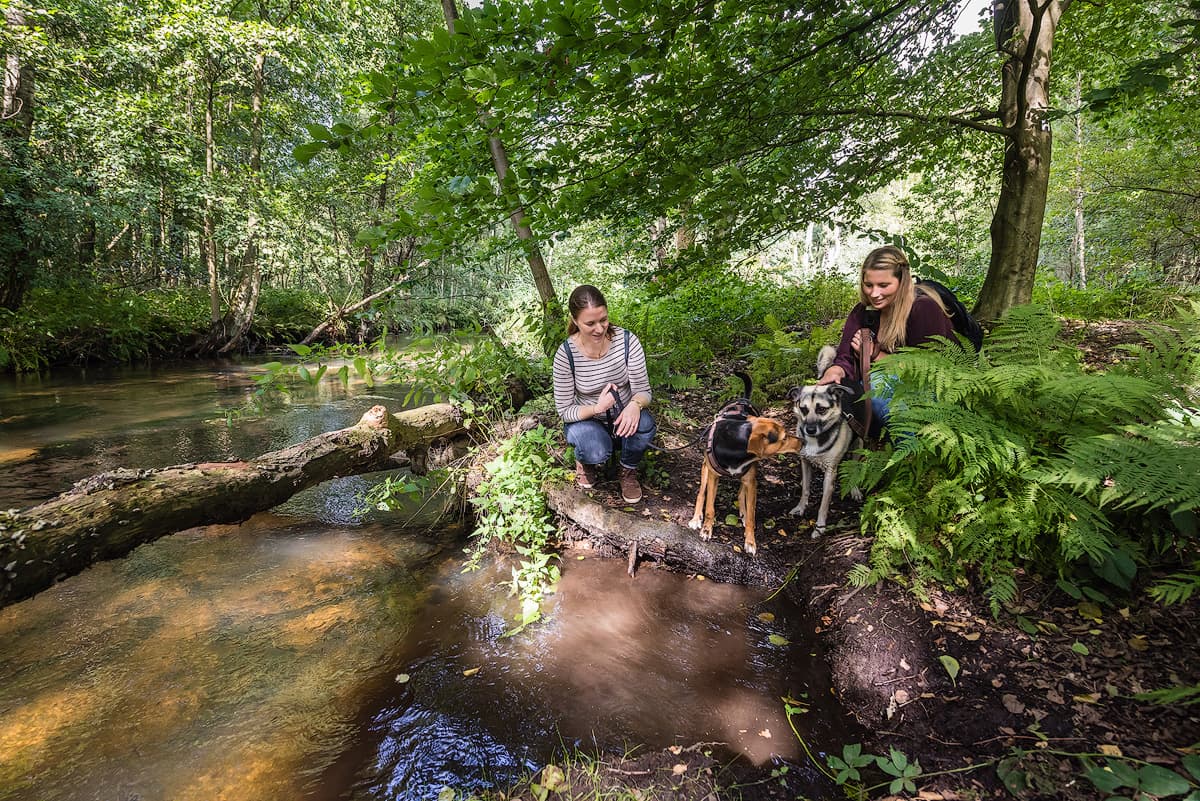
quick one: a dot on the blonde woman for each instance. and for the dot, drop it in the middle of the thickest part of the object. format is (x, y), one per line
(898, 312)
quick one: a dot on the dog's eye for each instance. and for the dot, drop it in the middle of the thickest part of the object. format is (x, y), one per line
(822, 409)
(773, 437)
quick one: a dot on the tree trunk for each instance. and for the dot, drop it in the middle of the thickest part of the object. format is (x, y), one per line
(537, 265)
(1079, 241)
(1025, 32)
(208, 241)
(244, 299)
(18, 249)
(108, 515)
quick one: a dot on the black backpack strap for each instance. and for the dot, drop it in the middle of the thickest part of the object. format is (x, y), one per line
(625, 334)
(566, 347)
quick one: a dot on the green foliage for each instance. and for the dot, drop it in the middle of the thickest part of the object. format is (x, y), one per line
(473, 370)
(1018, 457)
(1135, 295)
(510, 510)
(717, 311)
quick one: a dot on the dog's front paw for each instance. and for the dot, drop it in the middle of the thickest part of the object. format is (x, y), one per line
(750, 547)
(695, 523)
(856, 494)
(817, 532)
(799, 508)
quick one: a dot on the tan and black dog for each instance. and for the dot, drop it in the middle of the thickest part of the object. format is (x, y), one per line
(823, 423)
(738, 438)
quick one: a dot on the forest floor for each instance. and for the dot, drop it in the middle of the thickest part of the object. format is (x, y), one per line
(1043, 685)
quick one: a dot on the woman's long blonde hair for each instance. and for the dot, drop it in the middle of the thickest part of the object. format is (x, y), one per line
(893, 321)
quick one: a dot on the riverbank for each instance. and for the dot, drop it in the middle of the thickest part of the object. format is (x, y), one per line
(1025, 703)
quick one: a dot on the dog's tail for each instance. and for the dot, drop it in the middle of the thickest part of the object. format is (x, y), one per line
(746, 381)
(825, 358)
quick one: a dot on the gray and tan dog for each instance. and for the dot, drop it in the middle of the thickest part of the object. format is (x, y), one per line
(823, 414)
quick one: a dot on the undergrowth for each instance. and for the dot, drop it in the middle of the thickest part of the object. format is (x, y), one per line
(1020, 457)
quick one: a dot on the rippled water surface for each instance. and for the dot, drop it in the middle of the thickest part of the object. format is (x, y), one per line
(311, 654)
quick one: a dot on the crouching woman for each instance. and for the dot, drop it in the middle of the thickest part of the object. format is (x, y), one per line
(601, 390)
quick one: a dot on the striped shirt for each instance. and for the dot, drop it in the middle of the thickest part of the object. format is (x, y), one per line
(592, 375)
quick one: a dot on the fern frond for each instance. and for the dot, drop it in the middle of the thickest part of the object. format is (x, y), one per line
(1028, 334)
(1147, 467)
(1172, 695)
(1176, 588)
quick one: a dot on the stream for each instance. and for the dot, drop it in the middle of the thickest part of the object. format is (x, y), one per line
(316, 653)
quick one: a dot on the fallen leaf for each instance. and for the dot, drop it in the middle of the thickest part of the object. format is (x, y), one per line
(904, 664)
(778, 639)
(972, 636)
(765, 734)
(676, 749)
(1110, 750)
(766, 617)
(1090, 610)
(680, 769)
(1012, 704)
(402, 678)
(901, 696)
(1055, 697)
(552, 777)
(1138, 642)
(470, 671)
(1086, 698)
(951, 665)
(1080, 648)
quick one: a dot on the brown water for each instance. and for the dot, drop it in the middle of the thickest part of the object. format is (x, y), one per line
(261, 661)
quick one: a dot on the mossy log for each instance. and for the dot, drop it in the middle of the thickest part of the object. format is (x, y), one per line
(108, 515)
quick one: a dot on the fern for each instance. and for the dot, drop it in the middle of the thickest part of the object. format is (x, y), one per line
(1177, 588)
(1018, 456)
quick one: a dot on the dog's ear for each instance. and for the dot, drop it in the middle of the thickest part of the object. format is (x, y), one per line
(794, 394)
(842, 390)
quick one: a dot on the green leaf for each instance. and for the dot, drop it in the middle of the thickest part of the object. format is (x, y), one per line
(1161, 782)
(1105, 780)
(952, 667)
(1191, 763)
(1080, 648)
(731, 520)
(776, 639)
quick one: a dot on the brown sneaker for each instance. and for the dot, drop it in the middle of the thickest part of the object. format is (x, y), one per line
(586, 475)
(631, 490)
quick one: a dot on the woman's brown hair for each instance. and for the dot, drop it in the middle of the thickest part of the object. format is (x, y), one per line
(585, 296)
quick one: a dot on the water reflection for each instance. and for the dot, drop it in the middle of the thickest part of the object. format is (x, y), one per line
(227, 662)
(656, 661)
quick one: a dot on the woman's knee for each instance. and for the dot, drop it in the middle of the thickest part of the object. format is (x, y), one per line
(591, 441)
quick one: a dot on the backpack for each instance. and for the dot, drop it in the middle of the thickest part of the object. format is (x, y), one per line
(963, 322)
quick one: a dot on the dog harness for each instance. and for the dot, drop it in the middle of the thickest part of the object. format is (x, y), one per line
(738, 410)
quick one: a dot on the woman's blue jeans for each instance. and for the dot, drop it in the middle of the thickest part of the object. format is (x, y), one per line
(594, 444)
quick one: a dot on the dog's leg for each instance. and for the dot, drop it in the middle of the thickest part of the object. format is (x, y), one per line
(710, 503)
(748, 501)
(805, 480)
(826, 499)
(698, 513)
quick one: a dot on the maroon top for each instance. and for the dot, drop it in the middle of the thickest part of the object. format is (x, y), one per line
(926, 320)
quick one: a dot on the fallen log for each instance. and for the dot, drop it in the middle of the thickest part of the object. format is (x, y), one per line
(675, 546)
(110, 514)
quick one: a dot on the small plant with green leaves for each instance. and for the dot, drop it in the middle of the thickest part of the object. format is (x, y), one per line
(511, 511)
